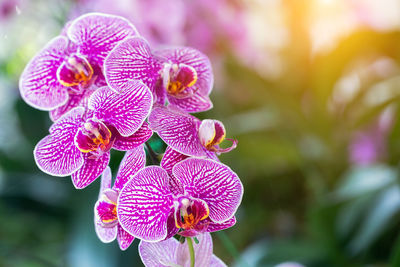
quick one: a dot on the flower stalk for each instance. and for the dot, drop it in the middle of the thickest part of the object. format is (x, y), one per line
(191, 251)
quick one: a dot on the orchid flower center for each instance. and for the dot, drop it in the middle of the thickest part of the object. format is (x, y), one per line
(106, 208)
(93, 136)
(75, 70)
(177, 78)
(211, 134)
(189, 212)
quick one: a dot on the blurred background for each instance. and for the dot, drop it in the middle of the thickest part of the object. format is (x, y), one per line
(310, 88)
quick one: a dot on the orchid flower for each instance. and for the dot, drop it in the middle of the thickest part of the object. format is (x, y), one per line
(170, 252)
(80, 141)
(182, 75)
(105, 211)
(202, 195)
(70, 66)
(189, 135)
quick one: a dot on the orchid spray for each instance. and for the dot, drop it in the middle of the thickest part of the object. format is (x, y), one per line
(106, 88)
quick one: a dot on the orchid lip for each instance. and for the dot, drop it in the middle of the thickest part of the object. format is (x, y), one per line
(75, 70)
(211, 134)
(179, 78)
(189, 212)
(94, 136)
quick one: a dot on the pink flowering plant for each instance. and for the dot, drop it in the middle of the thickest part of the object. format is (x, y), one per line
(106, 88)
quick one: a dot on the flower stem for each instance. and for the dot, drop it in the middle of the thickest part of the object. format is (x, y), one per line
(152, 154)
(191, 250)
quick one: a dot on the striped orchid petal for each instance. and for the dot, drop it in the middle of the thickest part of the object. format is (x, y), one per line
(178, 130)
(90, 170)
(131, 59)
(130, 142)
(144, 204)
(213, 182)
(97, 34)
(126, 111)
(124, 238)
(56, 154)
(38, 84)
(133, 161)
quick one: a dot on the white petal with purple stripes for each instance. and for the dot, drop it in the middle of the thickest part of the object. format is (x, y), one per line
(213, 182)
(126, 111)
(56, 154)
(145, 203)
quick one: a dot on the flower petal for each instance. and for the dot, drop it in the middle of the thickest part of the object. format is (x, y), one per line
(105, 234)
(106, 178)
(126, 111)
(90, 170)
(144, 204)
(213, 182)
(131, 60)
(97, 34)
(178, 130)
(56, 154)
(171, 226)
(124, 238)
(38, 84)
(192, 104)
(158, 254)
(195, 59)
(74, 100)
(217, 262)
(214, 227)
(138, 138)
(203, 251)
(170, 158)
(133, 161)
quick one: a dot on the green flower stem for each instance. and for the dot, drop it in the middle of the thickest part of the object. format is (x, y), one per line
(191, 250)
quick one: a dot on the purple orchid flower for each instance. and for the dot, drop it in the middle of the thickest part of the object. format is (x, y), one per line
(182, 75)
(105, 211)
(201, 196)
(72, 62)
(80, 141)
(189, 135)
(170, 252)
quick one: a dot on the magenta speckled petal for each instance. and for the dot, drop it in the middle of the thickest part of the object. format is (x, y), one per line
(106, 178)
(38, 84)
(170, 158)
(158, 254)
(124, 238)
(144, 204)
(126, 111)
(90, 170)
(214, 227)
(195, 59)
(97, 34)
(178, 130)
(171, 226)
(74, 100)
(195, 103)
(56, 154)
(203, 251)
(133, 161)
(138, 138)
(213, 182)
(131, 60)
